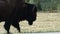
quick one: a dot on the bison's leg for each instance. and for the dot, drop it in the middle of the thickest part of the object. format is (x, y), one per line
(16, 25)
(7, 26)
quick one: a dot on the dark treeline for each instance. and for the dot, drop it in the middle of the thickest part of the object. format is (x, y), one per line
(46, 4)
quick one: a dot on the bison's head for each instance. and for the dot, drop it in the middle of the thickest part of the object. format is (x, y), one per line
(32, 13)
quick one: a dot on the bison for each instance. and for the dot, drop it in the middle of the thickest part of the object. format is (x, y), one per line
(19, 13)
(27, 12)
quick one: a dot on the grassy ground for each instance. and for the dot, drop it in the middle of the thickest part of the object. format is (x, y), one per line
(46, 22)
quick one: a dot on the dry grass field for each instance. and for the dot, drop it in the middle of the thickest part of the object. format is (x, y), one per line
(46, 22)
